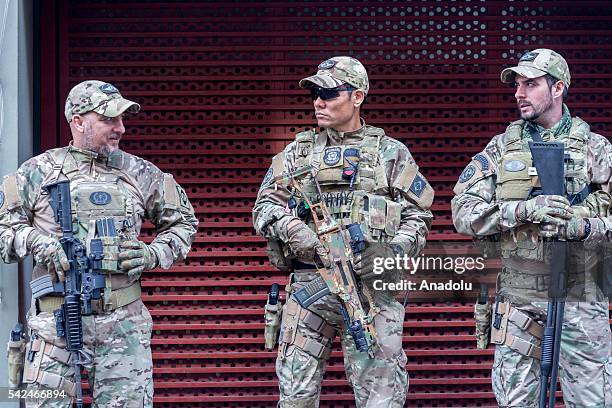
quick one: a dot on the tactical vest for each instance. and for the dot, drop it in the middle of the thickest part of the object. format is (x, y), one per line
(93, 200)
(517, 180)
(353, 183)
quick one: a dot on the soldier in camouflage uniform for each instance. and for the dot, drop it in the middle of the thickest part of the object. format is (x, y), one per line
(494, 198)
(104, 182)
(366, 177)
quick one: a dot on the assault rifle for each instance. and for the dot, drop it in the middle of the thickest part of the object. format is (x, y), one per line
(342, 243)
(548, 159)
(82, 284)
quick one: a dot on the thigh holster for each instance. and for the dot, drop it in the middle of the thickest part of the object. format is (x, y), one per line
(505, 313)
(36, 349)
(293, 314)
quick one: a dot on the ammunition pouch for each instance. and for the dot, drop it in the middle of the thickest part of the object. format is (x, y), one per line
(500, 335)
(514, 181)
(16, 357)
(36, 350)
(482, 316)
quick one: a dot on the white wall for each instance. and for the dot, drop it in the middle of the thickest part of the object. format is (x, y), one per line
(15, 139)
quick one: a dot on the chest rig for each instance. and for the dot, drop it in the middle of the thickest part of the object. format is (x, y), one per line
(101, 207)
(353, 182)
(517, 180)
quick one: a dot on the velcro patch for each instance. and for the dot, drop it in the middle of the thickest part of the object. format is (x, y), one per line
(332, 156)
(484, 162)
(418, 186)
(467, 173)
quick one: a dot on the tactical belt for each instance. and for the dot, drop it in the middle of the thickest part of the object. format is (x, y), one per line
(311, 292)
(118, 298)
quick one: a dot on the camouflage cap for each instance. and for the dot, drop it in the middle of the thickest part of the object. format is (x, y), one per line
(536, 63)
(337, 71)
(97, 96)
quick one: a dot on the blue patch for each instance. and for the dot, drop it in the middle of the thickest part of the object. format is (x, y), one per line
(529, 56)
(327, 64)
(467, 173)
(484, 163)
(1, 199)
(108, 89)
(515, 165)
(100, 198)
(418, 186)
(351, 152)
(332, 156)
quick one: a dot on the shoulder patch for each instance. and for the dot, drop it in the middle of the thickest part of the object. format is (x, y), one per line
(473, 172)
(484, 162)
(418, 185)
(421, 192)
(10, 194)
(174, 194)
(467, 173)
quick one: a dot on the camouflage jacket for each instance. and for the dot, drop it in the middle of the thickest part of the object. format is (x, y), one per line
(154, 196)
(476, 209)
(270, 216)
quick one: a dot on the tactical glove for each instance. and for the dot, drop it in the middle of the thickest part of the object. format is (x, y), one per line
(545, 209)
(574, 229)
(375, 254)
(48, 252)
(305, 244)
(135, 257)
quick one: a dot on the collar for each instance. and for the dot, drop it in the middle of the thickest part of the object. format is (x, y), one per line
(346, 138)
(559, 129)
(115, 160)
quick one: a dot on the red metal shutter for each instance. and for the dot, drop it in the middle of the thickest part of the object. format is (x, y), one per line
(217, 82)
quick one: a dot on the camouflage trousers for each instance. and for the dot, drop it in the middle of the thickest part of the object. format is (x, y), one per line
(585, 360)
(380, 382)
(119, 346)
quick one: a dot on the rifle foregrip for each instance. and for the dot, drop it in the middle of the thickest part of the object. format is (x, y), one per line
(547, 351)
(74, 325)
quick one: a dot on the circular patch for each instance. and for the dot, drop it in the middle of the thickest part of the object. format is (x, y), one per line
(467, 173)
(1, 198)
(108, 89)
(100, 198)
(332, 156)
(515, 165)
(327, 64)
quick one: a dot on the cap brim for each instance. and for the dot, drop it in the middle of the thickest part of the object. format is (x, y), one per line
(324, 81)
(116, 107)
(508, 74)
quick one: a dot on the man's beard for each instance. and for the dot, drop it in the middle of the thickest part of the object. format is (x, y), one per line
(104, 150)
(533, 116)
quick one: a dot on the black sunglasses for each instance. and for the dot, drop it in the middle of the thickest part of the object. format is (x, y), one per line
(328, 93)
